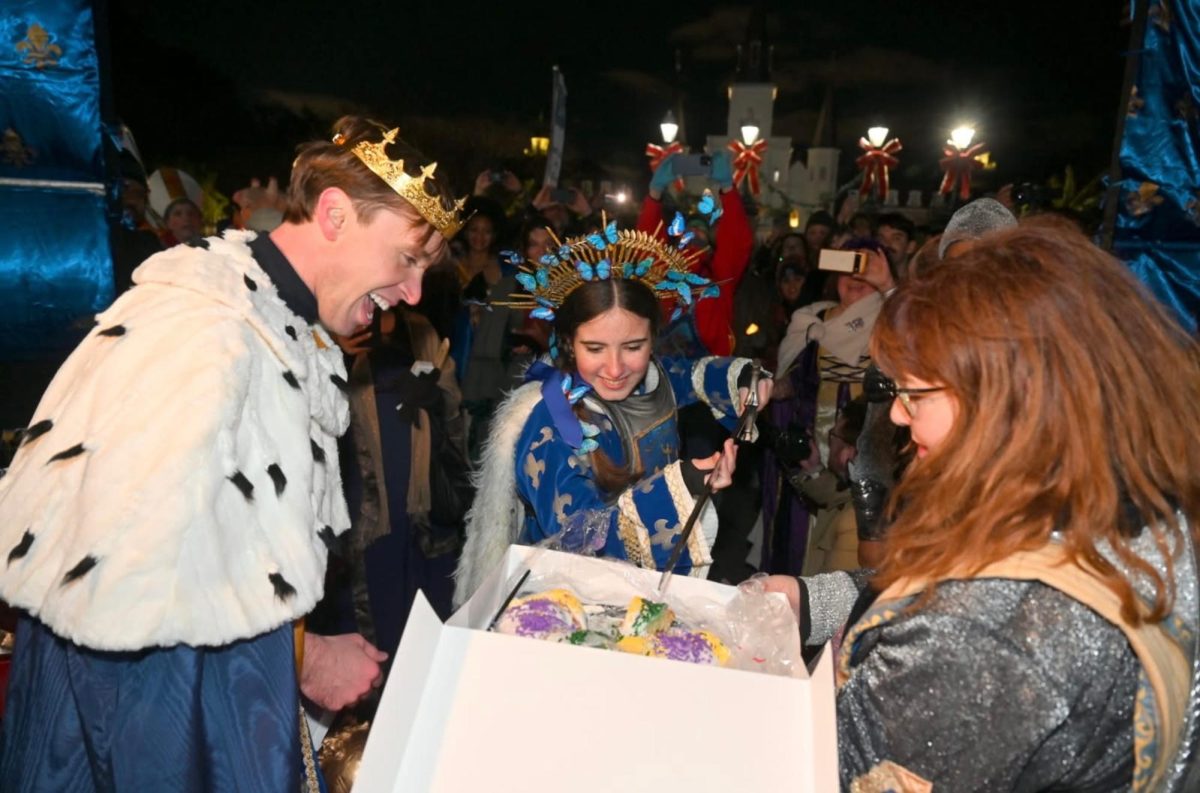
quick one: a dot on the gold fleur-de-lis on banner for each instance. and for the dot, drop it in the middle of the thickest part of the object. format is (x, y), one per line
(39, 49)
(13, 149)
(1143, 200)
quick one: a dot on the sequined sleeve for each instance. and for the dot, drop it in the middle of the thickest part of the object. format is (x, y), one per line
(994, 685)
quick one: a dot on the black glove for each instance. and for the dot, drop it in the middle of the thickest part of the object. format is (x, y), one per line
(869, 497)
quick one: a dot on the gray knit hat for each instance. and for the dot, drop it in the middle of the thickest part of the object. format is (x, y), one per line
(974, 220)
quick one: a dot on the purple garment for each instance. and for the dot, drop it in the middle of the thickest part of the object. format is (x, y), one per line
(785, 514)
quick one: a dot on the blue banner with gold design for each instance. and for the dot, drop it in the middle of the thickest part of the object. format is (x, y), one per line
(1157, 231)
(55, 261)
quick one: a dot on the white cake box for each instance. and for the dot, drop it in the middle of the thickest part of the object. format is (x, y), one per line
(467, 710)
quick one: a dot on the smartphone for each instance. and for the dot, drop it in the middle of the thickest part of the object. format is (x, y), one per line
(852, 262)
(692, 165)
(561, 195)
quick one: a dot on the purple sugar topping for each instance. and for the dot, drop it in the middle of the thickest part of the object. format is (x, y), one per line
(685, 646)
(540, 617)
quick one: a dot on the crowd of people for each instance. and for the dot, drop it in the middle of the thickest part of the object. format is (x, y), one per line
(972, 467)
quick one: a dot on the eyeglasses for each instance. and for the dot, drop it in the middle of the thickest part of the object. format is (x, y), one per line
(880, 388)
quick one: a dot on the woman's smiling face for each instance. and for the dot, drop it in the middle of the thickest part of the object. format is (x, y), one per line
(612, 352)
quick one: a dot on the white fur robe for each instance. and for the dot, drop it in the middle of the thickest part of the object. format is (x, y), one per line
(182, 477)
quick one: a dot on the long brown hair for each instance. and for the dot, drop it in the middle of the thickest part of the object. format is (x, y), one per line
(1078, 411)
(583, 305)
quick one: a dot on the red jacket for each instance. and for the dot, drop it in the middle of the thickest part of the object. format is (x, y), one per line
(714, 315)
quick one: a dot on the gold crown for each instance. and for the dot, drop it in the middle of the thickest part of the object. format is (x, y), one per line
(410, 188)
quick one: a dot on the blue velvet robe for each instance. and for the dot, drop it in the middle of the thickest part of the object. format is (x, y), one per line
(559, 490)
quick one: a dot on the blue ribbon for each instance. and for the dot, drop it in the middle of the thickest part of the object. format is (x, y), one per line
(556, 402)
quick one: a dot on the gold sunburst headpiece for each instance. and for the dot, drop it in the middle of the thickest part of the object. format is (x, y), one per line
(410, 188)
(662, 265)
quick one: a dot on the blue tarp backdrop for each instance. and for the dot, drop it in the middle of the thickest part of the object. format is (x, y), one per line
(1158, 223)
(55, 261)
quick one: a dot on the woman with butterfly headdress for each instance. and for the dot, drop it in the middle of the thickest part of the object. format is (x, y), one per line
(587, 450)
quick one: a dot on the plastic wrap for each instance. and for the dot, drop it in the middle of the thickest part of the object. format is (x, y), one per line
(614, 607)
(583, 532)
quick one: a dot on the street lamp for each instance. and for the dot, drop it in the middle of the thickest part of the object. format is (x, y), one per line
(749, 128)
(960, 137)
(877, 136)
(669, 128)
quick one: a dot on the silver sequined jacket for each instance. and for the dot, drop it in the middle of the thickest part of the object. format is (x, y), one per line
(1004, 685)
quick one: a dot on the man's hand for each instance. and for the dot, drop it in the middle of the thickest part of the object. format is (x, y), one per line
(579, 203)
(877, 272)
(339, 670)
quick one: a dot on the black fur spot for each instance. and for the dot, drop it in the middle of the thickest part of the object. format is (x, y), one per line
(318, 452)
(243, 484)
(327, 536)
(21, 548)
(198, 242)
(35, 431)
(276, 474)
(115, 330)
(80, 570)
(253, 287)
(65, 454)
(339, 381)
(283, 590)
(291, 379)
(291, 332)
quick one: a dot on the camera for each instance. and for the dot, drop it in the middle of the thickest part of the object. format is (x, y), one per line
(852, 262)
(792, 445)
(693, 164)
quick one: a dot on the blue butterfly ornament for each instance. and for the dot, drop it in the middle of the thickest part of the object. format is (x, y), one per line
(602, 239)
(677, 225)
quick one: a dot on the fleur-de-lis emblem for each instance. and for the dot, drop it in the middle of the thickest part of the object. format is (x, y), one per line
(1135, 103)
(664, 535)
(1143, 200)
(14, 150)
(39, 50)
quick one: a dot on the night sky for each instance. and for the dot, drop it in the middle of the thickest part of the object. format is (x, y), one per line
(230, 87)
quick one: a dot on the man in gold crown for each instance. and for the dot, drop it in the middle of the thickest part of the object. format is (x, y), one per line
(165, 522)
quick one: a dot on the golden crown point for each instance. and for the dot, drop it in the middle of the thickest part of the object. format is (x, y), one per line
(410, 188)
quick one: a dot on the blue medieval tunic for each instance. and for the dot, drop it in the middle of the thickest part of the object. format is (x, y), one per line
(536, 483)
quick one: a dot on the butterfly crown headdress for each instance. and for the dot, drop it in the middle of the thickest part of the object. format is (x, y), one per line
(665, 267)
(410, 188)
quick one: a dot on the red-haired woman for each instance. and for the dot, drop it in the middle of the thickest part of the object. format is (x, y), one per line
(1038, 618)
